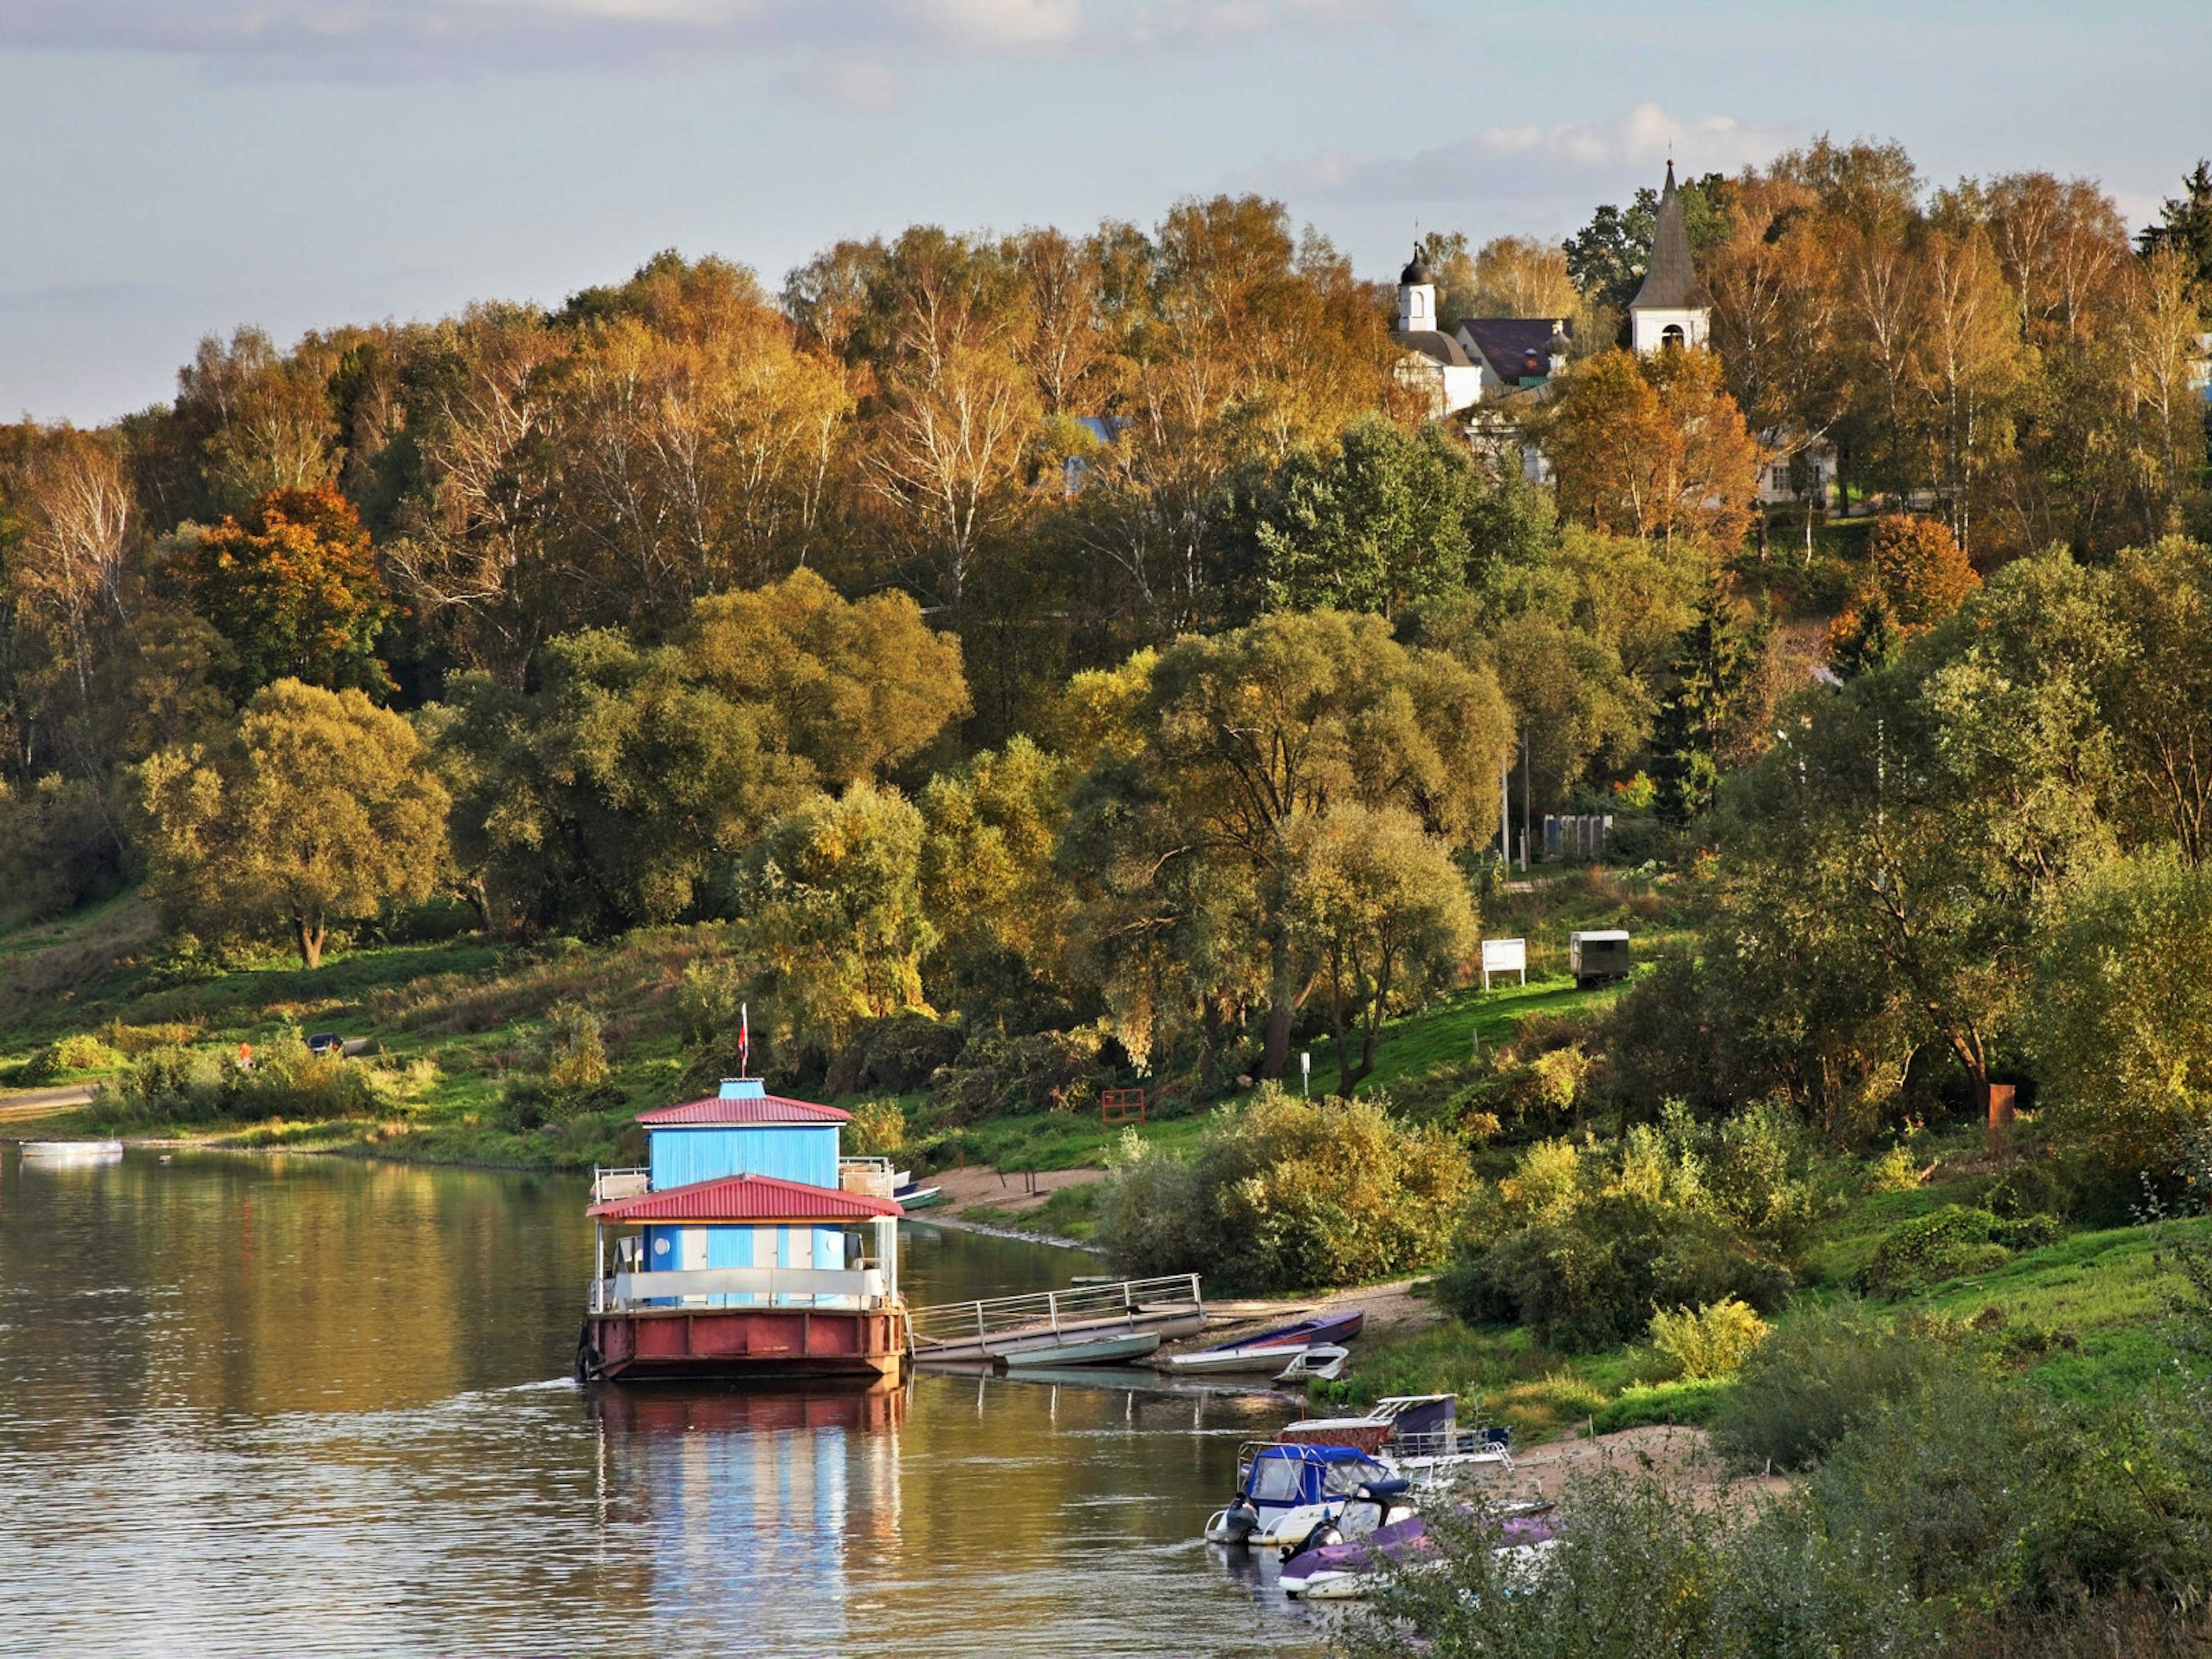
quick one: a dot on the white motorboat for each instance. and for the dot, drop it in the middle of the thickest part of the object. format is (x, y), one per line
(1322, 1363)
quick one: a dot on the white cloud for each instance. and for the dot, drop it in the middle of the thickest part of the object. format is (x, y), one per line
(1535, 163)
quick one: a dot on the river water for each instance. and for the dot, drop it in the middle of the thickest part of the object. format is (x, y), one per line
(257, 1405)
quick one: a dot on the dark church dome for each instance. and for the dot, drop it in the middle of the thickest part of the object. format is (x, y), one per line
(1416, 272)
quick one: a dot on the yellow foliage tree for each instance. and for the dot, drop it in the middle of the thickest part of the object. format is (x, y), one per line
(314, 806)
(1652, 446)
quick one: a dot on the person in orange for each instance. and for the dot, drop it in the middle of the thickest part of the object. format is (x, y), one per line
(245, 1056)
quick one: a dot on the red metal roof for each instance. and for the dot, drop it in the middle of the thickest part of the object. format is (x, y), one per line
(755, 1109)
(746, 1197)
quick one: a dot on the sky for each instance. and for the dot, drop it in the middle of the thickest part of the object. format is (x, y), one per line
(177, 167)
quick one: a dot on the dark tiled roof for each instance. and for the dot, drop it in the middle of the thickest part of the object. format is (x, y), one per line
(1515, 348)
(1670, 281)
(1430, 343)
(746, 1198)
(755, 1108)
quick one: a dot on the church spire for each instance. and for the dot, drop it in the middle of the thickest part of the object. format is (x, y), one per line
(1668, 278)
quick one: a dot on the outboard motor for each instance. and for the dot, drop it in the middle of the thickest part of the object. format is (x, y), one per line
(1377, 1492)
(1240, 1522)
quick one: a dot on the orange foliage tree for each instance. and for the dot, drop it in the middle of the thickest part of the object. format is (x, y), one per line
(1917, 575)
(1653, 446)
(294, 591)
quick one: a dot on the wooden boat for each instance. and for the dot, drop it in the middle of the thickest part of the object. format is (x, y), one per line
(1268, 1350)
(1117, 1348)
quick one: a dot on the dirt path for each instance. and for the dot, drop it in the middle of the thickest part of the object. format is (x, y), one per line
(1014, 1191)
(44, 1103)
(1681, 1456)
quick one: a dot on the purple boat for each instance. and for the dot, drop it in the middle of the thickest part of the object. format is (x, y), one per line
(1272, 1350)
(1345, 1569)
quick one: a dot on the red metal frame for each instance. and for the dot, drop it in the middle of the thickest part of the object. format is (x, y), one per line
(1122, 1106)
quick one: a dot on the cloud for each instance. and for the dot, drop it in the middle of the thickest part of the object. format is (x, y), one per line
(1535, 164)
(861, 86)
(376, 40)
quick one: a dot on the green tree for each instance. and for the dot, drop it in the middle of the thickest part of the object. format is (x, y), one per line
(293, 591)
(1896, 852)
(624, 786)
(2123, 1020)
(1384, 519)
(1700, 718)
(1245, 735)
(1386, 911)
(2185, 224)
(834, 915)
(2157, 694)
(988, 882)
(314, 806)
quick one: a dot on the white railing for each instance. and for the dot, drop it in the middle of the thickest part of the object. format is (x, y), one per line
(608, 1185)
(873, 1177)
(1129, 1299)
(780, 1287)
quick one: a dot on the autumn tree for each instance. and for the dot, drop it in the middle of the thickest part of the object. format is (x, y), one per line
(1652, 446)
(293, 591)
(314, 807)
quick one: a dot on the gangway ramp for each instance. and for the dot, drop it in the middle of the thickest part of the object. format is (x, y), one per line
(986, 1332)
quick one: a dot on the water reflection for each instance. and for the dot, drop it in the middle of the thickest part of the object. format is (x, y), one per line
(250, 1405)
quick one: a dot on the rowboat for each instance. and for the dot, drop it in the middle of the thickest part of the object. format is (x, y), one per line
(1116, 1349)
(1269, 1351)
(73, 1152)
(918, 1198)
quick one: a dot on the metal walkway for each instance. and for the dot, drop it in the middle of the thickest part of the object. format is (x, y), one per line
(973, 1332)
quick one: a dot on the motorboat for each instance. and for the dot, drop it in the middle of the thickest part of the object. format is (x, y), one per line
(1324, 1362)
(1118, 1348)
(1333, 1567)
(1285, 1490)
(1269, 1351)
(1417, 1435)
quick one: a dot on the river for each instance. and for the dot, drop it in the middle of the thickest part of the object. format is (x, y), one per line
(257, 1404)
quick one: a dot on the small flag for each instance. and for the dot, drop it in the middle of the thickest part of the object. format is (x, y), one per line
(745, 1039)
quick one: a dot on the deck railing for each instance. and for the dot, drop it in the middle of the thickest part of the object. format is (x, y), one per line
(608, 1185)
(783, 1287)
(1090, 1304)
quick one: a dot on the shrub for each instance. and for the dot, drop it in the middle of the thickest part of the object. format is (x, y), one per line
(1287, 1195)
(1814, 1380)
(1585, 1240)
(898, 1052)
(1688, 1399)
(570, 1054)
(178, 1085)
(1713, 1342)
(1946, 1244)
(1046, 1070)
(1895, 1171)
(878, 1129)
(79, 1053)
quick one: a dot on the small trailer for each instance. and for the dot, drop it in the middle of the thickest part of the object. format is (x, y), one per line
(1597, 956)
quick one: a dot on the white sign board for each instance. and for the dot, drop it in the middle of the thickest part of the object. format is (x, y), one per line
(1504, 956)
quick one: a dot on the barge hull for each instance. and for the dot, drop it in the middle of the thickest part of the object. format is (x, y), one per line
(674, 1343)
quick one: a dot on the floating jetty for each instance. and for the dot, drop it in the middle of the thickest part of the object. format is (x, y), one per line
(746, 1248)
(1087, 1324)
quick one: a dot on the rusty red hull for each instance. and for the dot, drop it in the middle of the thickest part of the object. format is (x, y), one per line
(676, 1343)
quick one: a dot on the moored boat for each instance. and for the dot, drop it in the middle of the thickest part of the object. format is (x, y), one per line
(1322, 1363)
(1285, 1490)
(73, 1152)
(751, 1256)
(917, 1198)
(1117, 1349)
(1269, 1351)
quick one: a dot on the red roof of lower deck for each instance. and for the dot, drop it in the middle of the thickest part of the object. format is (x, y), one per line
(753, 1109)
(746, 1198)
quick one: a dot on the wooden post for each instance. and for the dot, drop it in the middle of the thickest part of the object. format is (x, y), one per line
(2001, 1114)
